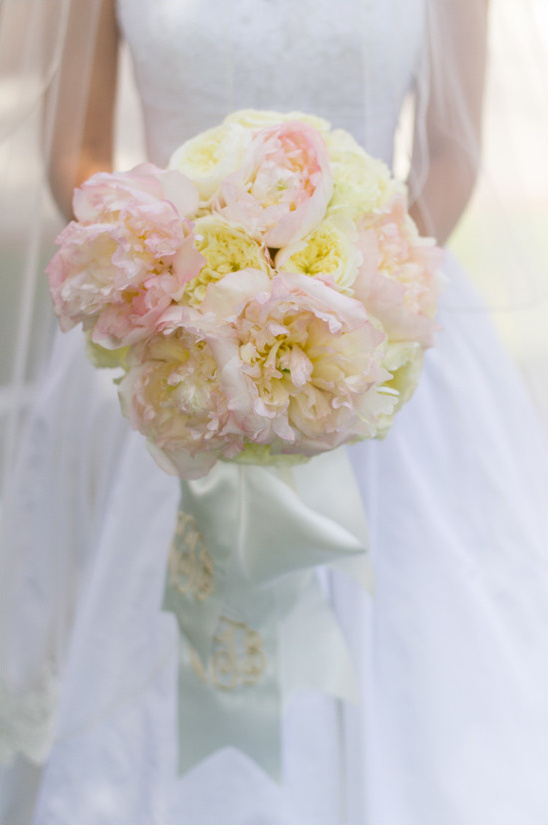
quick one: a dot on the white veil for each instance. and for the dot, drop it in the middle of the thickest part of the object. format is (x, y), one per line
(501, 238)
(33, 41)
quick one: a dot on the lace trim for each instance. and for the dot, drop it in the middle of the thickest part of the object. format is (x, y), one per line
(27, 721)
(238, 657)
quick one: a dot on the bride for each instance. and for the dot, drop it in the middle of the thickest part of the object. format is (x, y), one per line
(449, 652)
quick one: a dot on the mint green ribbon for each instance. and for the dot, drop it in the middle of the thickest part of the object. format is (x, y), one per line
(255, 624)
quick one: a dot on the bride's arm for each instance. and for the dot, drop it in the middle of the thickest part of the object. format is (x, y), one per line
(82, 140)
(455, 101)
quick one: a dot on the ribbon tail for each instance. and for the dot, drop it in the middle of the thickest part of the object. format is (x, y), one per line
(327, 666)
(234, 699)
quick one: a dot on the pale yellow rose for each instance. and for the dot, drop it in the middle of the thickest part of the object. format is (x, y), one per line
(330, 250)
(226, 248)
(361, 184)
(404, 360)
(256, 119)
(210, 156)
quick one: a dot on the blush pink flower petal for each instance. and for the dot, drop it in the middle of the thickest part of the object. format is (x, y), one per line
(284, 186)
(399, 280)
(129, 255)
(173, 395)
(297, 358)
(109, 192)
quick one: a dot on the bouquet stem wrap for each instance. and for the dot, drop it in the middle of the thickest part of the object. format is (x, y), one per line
(242, 585)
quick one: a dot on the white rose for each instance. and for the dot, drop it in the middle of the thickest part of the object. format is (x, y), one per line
(330, 250)
(361, 184)
(211, 156)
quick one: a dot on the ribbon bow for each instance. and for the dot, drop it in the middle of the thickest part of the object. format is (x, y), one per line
(254, 621)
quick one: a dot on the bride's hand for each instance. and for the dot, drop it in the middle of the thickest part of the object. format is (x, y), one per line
(458, 46)
(79, 117)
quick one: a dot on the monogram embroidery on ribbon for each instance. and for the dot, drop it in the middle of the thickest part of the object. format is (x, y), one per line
(238, 657)
(190, 565)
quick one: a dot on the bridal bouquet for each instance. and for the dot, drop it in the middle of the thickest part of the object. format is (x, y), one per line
(268, 296)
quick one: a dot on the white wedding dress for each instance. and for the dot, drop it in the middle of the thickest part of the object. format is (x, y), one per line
(450, 652)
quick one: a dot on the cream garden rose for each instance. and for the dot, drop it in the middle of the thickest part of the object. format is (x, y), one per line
(404, 361)
(225, 248)
(330, 252)
(212, 155)
(361, 184)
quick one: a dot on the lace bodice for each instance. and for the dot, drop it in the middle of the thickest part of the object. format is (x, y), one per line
(350, 61)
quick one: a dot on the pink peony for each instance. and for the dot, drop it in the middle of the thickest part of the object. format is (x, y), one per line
(399, 279)
(301, 363)
(284, 185)
(128, 256)
(172, 394)
(105, 194)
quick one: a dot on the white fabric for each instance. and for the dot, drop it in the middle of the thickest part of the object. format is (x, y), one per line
(450, 653)
(192, 67)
